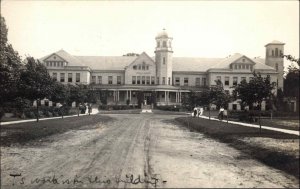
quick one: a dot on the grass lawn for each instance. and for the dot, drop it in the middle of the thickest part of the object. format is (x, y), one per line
(275, 149)
(292, 124)
(24, 132)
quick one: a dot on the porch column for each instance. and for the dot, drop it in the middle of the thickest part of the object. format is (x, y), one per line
(165, 96)
(176, 97)
(118, 95)
(126, 94)
(114, 95)
(130, 96)
(180, 97)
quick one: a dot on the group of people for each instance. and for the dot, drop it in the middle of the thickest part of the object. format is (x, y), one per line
(198, 112)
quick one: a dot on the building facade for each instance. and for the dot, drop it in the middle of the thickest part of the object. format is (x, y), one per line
(164, 78)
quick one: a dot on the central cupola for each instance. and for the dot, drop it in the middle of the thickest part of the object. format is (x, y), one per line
(163, 58)
(163, 41)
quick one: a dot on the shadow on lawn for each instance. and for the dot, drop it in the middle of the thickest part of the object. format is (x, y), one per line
(22, 133)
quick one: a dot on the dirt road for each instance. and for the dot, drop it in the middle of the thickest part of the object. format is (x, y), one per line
(137, 150)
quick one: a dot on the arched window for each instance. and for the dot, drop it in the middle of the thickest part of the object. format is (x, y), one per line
(276, 52)
(164, 44)
(272, 52)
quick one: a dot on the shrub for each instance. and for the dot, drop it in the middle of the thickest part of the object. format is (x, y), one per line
(169, 108)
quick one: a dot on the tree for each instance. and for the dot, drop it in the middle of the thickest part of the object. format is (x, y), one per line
(35, 81)
(60, 93)
(131, 54)
(10, 64)
(78, 94)
(291, 80)
(255, 91)
(92, 96)
(104, 96)
(218, 96)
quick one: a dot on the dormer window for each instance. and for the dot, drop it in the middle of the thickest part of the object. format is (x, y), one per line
(243, 60)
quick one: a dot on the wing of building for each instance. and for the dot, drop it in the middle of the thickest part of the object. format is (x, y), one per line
(163, 76)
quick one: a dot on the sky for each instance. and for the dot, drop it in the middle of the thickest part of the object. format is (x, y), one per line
(213, 29)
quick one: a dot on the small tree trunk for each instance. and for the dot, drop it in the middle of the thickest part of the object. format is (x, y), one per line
(37, 115)
(259, 120)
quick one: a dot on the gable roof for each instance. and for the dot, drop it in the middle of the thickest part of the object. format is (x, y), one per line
(184, 64)
(72, 60)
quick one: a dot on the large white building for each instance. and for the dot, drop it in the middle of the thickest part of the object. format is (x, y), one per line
(164, 76)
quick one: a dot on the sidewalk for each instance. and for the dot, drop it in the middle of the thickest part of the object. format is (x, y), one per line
(94, 111)
(256, 126)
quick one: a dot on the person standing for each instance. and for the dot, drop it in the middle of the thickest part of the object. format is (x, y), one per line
(195, 112)
(221, 113)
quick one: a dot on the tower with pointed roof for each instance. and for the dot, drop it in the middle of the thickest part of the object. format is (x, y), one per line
(163, 58)
(274, 52)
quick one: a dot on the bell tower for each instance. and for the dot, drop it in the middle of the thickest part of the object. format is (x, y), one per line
(163, 58)
(274, 52)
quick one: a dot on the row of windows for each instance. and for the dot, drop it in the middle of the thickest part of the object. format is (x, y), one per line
(276, 53)
(241, 66)
(234, 80)
(70, 77)
(54, 64)
(110, 80)
(140, 67)
(198, 81)
(144, 80)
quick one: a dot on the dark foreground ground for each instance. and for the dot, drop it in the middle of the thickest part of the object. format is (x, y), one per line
(270, 147)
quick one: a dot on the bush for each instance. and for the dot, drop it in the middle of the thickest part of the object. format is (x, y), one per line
(29, 114)
(168, 108)
(115, 107)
